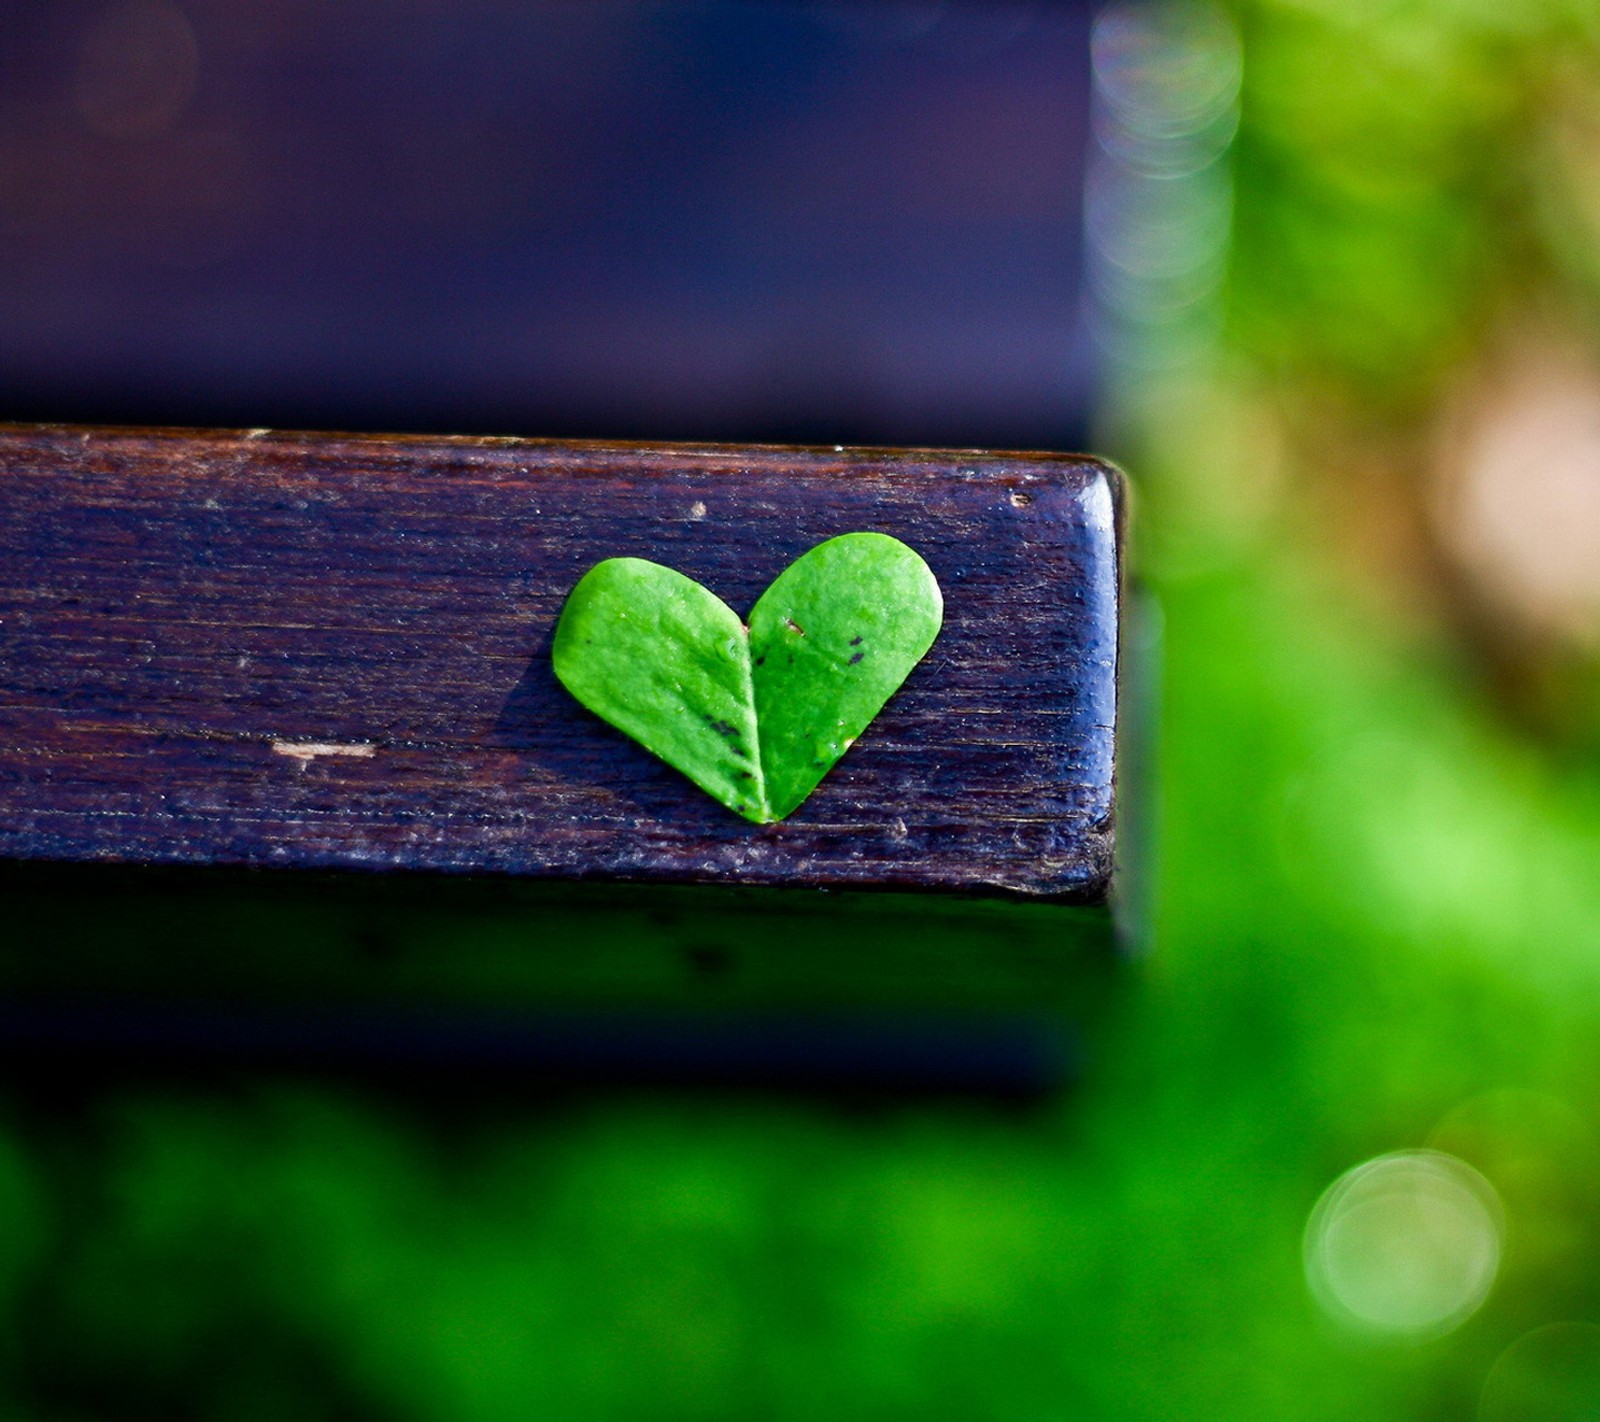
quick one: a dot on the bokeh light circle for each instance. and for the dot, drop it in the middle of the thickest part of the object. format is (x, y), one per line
(138, 70)
(1167, 70)
(1404, 1247)
(1549, 1375)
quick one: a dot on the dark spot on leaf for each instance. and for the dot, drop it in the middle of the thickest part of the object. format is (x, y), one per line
(791, 658)
(855, 641)
(794, 626)
(761, 661)
(745, 775)
(858, 656)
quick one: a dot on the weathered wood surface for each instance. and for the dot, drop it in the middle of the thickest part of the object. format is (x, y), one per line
(333, 651)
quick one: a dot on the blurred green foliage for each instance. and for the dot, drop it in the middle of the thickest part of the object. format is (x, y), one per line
(1399, 181)
(1378, 927)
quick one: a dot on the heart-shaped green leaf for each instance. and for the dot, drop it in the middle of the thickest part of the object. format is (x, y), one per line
(754, 716)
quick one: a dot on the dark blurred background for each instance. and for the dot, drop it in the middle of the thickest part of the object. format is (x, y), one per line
(728, 220)
(1324, 275)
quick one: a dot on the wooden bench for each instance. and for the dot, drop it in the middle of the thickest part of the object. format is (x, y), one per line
(252, 678)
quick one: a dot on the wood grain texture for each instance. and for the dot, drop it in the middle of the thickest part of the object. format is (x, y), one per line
(334, 651)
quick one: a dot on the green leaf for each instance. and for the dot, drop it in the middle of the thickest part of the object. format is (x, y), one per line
(755, 717)
(667, 662)
(831, 640)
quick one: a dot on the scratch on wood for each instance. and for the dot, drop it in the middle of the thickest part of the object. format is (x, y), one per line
(304, 751)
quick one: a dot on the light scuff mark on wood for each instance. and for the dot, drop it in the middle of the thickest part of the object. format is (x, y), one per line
(307, 751)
